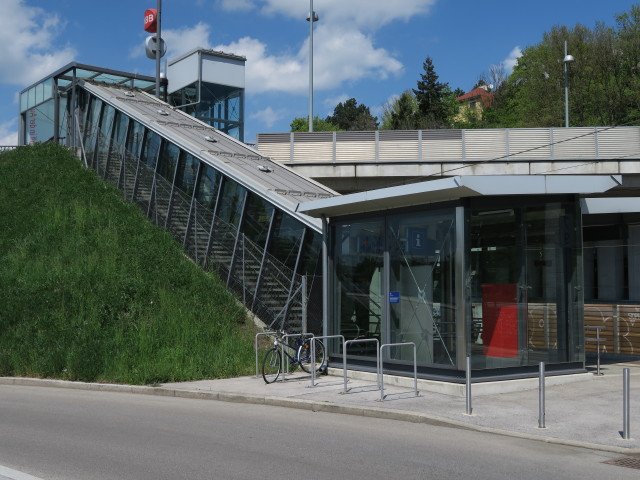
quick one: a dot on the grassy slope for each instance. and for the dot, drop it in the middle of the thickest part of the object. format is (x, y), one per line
(89, 290)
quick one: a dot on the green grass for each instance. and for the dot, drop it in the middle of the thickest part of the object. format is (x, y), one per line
(91, 291)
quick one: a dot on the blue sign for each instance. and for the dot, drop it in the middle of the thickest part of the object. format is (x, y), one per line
(394, 297)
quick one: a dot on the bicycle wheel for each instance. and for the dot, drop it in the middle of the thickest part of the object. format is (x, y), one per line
(304, 356)
(271, 364)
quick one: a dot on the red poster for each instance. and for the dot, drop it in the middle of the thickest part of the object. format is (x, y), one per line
(500, 320)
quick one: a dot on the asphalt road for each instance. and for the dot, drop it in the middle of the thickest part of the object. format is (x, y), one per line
(67, 434)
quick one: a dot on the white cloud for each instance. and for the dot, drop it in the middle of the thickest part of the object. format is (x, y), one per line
(332, 102)
(9, 133)
(333, 64)
(510, 62)
(236, 5)
(28, 37)
(367, 14)
(268, 116)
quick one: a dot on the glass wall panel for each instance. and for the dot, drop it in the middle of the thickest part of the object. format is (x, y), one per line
(134, 140)
(421, 285)
(285, 243)
(120, 125)
(91, 129)
(131, 158)
(64, 120)
(146, 168)
(168, 160)
(358, 290)
(104, 138)
(149, 154)
(231, 202)
(257, 219)
(24, 101)
(167, 164)
(226, 224)
(523, 270)
(208, 186)
(39, 125)
(186, 175)
(250, 251)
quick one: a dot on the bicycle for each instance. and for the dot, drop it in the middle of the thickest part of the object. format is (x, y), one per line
(298, 353)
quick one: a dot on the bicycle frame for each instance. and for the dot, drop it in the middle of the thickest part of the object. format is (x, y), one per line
(293, 358)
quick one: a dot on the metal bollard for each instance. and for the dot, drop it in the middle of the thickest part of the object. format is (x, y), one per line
(541, 410)
(626, 413)
(468, 386)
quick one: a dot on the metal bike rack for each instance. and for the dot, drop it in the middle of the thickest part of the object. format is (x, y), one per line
(344, 360)
(313, 355)
(415, 367)
(283, 355)
(273, 334)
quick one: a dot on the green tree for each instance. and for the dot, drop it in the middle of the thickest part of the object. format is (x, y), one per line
(349, 115)
(401, 113)
(301, 124)
(433, 98)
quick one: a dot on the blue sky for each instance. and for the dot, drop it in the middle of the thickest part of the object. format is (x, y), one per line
(368, 49)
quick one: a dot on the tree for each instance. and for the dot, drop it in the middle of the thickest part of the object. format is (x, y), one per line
(432, 97)
(402, 113)
(301, 124)
(351, 116)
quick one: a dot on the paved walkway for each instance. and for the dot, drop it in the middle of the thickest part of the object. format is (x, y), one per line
(587, 411)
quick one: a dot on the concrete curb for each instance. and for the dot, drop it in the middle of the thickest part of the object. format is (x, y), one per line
(311, 405)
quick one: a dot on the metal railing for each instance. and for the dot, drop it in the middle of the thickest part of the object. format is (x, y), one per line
(344, 362)
(313, 356)
(466, 145)
(415, 367)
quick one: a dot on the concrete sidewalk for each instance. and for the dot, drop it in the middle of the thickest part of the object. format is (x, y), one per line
(583, 410)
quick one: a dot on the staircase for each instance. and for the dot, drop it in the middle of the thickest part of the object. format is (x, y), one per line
(273, 295)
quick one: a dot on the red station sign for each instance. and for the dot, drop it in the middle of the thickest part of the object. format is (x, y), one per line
(151, 20)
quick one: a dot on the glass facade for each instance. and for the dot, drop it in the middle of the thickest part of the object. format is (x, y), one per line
(525, 278)
(501, 284)
(220, 106)
(259, 250)
(47, 109)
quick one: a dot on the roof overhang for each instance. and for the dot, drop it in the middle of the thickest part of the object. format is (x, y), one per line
(454, 188)
(595, 206)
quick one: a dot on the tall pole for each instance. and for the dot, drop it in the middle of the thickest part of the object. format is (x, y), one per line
(567, 59)
(312, 18)
(158, 48)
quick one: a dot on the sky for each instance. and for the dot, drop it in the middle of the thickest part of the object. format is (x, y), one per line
(371, 50)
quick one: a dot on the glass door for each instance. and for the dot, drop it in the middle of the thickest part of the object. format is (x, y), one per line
(496, 287)
(521, 282)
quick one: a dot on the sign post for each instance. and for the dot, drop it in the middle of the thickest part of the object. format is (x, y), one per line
(153, 24)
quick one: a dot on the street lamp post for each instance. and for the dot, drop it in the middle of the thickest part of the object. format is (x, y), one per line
(567, 60)
(311, 18)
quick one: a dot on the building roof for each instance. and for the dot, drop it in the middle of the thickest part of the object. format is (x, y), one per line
(269, 179)
(454, 188)
(480, 92)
